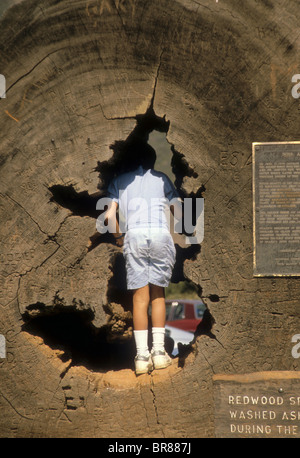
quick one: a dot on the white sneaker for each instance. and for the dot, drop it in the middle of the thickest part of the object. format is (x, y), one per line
(160, 359)
(143, 364)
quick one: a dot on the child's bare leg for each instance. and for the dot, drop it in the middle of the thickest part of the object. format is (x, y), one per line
(141, 299)
(159, 355)
(157, 298)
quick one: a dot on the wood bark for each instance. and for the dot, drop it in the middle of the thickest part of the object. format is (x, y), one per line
(78, 74)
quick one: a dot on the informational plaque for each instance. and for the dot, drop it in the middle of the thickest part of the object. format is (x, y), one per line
(276, 208)
(257, 405)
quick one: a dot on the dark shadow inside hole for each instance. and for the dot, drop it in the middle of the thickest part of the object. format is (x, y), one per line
(203, 328)
(120, 162)
(182, 254)
(71, 331)
(117, 290)
(79, 203)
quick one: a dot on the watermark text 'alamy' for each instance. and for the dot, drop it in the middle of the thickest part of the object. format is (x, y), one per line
(188, 216)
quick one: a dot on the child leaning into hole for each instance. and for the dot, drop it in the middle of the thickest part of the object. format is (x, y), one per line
(142, 198)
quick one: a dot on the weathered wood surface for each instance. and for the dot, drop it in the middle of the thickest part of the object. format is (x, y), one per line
(77, 75)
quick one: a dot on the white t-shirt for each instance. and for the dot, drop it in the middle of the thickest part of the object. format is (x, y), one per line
(143, 197)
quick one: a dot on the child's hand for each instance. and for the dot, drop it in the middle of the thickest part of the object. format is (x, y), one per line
(120, 241)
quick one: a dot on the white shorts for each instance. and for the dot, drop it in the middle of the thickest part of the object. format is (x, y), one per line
(149, 257)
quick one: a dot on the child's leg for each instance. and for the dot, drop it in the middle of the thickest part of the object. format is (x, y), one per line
(157, 298)
(141, 300)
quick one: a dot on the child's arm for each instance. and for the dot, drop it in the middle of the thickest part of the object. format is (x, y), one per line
(176, 208)
(112, 221)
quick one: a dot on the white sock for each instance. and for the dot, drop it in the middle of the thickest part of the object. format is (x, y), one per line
(158, 337)
(141, 342)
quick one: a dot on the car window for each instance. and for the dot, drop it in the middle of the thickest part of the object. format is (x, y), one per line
(199, 310)
(179, 312)
(168, 310)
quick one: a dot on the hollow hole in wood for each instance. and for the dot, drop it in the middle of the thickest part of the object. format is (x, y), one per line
(111, 347)
(71, 331)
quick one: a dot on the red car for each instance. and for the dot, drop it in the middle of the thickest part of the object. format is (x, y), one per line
(184, 313)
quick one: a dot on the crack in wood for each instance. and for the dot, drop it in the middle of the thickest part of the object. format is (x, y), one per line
(154, 404)
(34, 67)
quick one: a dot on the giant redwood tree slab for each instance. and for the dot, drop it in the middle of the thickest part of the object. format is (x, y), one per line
(83, 79)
